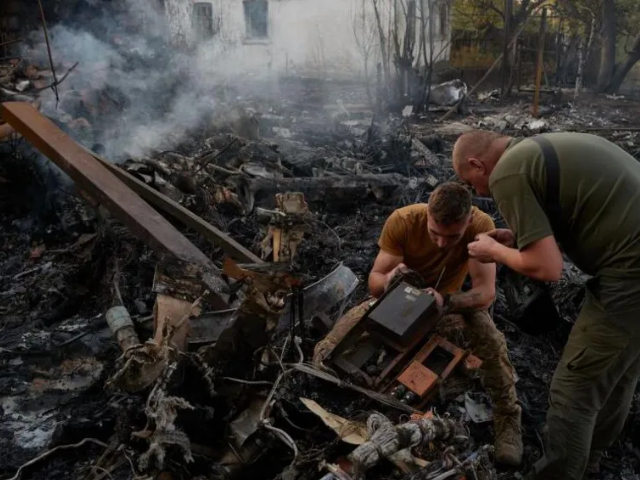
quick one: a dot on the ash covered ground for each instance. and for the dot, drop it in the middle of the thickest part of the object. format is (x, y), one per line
(64, 262)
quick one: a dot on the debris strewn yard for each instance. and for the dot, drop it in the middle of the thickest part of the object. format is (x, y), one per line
(160, 302)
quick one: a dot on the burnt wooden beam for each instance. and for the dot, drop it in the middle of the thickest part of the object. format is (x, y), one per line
(101, 184)
(336, 191)
(186, 217)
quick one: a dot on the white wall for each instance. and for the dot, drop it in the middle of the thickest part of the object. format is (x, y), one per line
(321, 38)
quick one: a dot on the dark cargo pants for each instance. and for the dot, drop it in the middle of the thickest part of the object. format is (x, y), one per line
(591, 391)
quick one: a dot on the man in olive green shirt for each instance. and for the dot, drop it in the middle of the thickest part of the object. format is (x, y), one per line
(593, 209)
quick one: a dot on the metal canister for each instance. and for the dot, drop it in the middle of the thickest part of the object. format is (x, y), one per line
(121, 325)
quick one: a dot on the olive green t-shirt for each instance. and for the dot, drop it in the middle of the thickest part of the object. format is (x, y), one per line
(599, 203)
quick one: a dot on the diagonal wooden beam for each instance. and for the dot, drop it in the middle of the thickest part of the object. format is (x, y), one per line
(232, 248)
(93, 177)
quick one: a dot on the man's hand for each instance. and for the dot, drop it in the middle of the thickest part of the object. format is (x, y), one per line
(503, 236)
(391, 276)
(439, 298)
(482, 248)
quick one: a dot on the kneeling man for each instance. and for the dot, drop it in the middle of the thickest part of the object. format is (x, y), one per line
(431, 239)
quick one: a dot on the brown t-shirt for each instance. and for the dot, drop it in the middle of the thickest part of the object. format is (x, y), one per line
(405, 234)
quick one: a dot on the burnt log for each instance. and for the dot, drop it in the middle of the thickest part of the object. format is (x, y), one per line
(331, 192)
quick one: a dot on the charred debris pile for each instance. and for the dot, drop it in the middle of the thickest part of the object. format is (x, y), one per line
(177, 346)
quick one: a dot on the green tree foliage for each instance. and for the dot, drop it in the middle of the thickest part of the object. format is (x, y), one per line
(628, 23)
(617, 28)
(477, 15)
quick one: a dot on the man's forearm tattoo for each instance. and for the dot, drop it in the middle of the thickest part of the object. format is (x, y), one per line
(465, 302)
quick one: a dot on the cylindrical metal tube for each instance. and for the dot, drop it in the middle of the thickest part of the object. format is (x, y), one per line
(121, 325)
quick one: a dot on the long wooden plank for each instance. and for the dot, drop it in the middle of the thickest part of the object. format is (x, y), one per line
(145, 222)
(188, 218)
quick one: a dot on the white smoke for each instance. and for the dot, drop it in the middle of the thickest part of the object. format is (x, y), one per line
(158, 83)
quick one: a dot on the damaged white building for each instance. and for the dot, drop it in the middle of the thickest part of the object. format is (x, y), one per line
(326, 38)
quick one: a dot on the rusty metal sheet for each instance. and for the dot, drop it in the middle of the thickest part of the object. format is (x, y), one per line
(145, 222)
(418, 378)
(326, 293)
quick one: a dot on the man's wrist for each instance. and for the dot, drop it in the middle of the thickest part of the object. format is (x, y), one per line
(499, 252)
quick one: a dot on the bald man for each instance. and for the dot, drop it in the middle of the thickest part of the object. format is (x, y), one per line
(584, 192)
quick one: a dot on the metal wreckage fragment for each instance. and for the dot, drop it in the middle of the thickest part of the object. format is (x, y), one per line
(287, 226)
(257, 315)
(318, 298)
(179, 294)
(259, 293)
(155, 362)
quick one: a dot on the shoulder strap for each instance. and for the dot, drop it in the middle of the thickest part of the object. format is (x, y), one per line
(552, 204)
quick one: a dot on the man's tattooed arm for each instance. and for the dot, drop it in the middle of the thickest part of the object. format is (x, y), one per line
(482, 293)
(466, 302)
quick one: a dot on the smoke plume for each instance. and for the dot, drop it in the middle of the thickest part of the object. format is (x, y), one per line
(142, 80)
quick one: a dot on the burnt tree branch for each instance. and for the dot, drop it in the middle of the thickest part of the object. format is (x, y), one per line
(331, 190)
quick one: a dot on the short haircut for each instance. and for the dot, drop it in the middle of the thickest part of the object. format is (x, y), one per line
(473, 144)
(449, 203)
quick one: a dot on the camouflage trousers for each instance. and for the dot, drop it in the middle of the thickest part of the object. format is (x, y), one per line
(479, 332)
(477, 329)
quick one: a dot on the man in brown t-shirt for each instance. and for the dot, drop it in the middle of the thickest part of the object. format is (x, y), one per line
(431, 239)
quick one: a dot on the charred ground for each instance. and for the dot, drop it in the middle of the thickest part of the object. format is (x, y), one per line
(63, 261)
